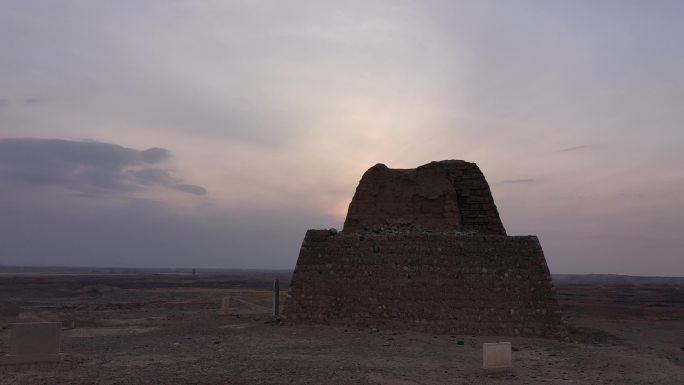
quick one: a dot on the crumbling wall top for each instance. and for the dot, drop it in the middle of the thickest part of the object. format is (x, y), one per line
(450, 195)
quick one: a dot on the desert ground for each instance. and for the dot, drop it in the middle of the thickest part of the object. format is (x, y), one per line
(145, 327)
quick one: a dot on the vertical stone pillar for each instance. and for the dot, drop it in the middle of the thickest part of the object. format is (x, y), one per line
(225, 306)
(276, 298)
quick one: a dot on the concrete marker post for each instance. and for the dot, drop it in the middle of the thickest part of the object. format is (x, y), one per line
(276, 298)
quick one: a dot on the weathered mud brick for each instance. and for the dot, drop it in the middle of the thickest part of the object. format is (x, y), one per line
(424, 249)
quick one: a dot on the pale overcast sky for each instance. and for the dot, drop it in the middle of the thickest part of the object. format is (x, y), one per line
(214, 133)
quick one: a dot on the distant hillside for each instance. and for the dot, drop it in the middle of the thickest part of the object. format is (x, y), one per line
(611, 279)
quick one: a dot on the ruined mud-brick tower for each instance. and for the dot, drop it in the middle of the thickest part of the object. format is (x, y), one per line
(424, 249)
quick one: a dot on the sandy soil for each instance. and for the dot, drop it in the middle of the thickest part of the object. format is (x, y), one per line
(154, 329)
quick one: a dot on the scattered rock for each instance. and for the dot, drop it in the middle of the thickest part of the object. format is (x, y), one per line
(94, 290)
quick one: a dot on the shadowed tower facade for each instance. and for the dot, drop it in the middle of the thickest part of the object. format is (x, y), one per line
(424, 249)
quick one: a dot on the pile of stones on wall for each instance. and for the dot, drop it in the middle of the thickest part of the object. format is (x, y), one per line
(424, 249)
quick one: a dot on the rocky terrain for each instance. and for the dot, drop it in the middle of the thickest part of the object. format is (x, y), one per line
(164, 329)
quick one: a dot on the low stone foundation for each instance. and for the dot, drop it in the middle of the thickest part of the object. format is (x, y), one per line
(436, 282)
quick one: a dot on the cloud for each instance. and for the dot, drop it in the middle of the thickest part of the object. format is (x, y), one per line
(576, 148)
(87, 167)
(521, 181)
(151, 176)
(145, 234)
(192, 189)
(5, 103)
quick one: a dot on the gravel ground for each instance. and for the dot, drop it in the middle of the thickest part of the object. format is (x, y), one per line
(173, 335)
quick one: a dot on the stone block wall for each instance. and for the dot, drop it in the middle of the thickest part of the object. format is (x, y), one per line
(446, 283)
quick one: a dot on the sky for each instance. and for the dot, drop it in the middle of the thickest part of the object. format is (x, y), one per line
(166, 133)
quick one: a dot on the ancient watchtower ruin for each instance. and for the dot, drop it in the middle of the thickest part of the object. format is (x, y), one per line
(424, 249)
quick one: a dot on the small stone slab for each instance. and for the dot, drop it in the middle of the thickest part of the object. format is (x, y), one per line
(496, 355)
(225, 306)
(34, 342)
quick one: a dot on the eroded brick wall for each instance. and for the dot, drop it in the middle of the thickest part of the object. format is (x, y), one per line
(438, 196)
(432, 282)
(475, 201)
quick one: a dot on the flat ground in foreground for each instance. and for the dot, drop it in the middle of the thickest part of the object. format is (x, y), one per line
(163, 329)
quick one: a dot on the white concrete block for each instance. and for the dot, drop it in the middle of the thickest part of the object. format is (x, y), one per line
(496, 355)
